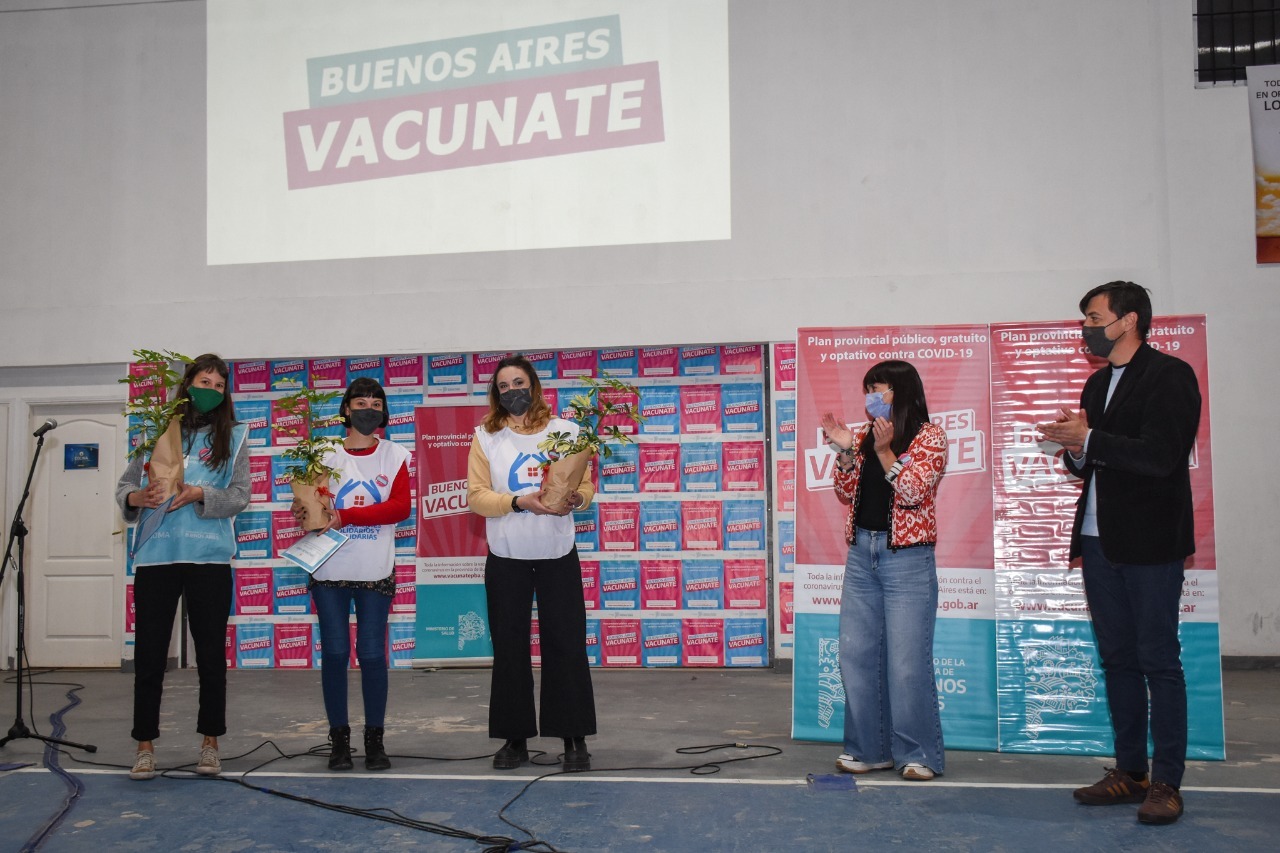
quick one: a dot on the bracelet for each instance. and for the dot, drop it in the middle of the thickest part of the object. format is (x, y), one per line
(515, 507)
(894, 470)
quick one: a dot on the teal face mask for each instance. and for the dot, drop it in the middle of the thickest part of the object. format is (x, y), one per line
(205, 399)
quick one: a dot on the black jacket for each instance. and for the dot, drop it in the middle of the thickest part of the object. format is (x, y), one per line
(1138, 453)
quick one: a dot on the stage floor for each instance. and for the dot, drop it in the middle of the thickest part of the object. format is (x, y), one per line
(642, 797)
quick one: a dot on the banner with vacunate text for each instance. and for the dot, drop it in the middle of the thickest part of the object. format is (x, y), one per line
(452, 625)
(954, 364)
(1051, 691)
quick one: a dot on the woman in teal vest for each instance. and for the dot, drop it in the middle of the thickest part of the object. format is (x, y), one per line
(189, 555)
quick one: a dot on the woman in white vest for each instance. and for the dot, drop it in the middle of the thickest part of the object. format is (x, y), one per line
(531, 550)
(369, 497)
(190, 556)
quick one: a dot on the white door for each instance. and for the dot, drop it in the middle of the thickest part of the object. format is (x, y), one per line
(75, 550)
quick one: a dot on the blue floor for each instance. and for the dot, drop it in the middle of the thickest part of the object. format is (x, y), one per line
(585, 814)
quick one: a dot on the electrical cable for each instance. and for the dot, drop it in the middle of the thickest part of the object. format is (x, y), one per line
(74, 787)
(492, 843)
(705, 768)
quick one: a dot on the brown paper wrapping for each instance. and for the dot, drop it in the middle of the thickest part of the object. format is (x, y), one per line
(562, 479)
(166, 464)
(313, 503)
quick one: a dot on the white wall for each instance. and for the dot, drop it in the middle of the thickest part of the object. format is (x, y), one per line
(921, 160)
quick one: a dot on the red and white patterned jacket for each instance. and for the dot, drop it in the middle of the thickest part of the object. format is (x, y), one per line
(912, 519)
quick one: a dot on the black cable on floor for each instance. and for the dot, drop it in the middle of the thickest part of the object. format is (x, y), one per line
(75, 788)
(705, 768)
(492, 843)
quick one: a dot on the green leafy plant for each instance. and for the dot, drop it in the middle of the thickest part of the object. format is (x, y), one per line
(589, 413)
(307, 456)
(156, 376)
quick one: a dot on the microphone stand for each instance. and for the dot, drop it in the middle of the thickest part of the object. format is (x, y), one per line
(18, 533)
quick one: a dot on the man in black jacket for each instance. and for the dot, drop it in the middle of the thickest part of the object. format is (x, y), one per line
(1130, 442)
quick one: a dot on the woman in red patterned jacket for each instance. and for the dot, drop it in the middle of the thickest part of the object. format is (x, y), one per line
(888, 472)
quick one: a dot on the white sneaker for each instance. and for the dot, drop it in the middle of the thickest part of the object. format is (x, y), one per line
(210, 764)
(144, 766)
(916, 773)
(848, 764)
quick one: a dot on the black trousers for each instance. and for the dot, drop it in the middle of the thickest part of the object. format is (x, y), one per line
(156, 590)
(568, 703)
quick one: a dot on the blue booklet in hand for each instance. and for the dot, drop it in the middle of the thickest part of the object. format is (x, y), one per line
(149, 522)
(312, 550)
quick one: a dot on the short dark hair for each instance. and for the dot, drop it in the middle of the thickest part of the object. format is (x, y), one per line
(910, 410)
(1124, 297)
(363, 386)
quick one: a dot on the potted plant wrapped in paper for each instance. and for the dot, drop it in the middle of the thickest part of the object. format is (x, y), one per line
(568, 456)
(308, 474)
(157, 412)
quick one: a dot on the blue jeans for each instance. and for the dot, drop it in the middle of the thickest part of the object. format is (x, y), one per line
(887, 611)
(333, 606)
(1135, 621)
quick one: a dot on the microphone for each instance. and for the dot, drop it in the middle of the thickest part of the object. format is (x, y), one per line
(49, 424)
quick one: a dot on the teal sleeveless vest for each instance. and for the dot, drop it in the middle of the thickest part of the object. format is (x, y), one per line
(184, 537)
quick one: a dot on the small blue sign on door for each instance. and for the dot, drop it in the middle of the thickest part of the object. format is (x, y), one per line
(80, 456)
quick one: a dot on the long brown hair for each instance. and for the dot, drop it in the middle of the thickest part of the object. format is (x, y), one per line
(539, 412)
(221, 419)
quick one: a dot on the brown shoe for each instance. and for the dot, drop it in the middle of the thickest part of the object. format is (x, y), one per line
(1114, 788)
(1162, 805)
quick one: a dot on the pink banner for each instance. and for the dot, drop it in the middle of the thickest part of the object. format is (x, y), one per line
(287, 428)
(784, 366)
(252, 376)
(784, 485)
(619, 526)
(293, 646)
(744, 584)
(703, 642)
(406, 598)
(577, 363)
(285, 530)
(743, 466)
(446, 527)
(659, 361)
(620, 640)
(1038, 368)
(253, 591)
(699, 408)
(701, 521)
(483, 365)
(260, 479)
(327, 373)
(741, 358)
(953, 362)
(660, 584)
(403, 370)
(659, 467)
(591, 583)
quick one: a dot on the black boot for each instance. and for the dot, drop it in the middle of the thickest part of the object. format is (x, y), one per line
(512, 755)
(576, 757)
(340, 748)
(375, 757)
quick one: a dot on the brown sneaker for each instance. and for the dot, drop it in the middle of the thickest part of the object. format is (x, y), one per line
(1162, 805)
(1114, 788)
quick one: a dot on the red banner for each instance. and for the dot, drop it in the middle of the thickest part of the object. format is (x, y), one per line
(953, 364)
(446, 527)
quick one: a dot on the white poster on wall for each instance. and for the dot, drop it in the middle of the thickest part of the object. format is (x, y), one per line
(400, 127)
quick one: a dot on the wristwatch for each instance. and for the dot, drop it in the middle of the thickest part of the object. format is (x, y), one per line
(515, 507)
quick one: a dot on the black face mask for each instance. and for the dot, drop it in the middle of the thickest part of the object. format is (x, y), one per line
(1096, 340)
(365, 421)
(517, 400)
